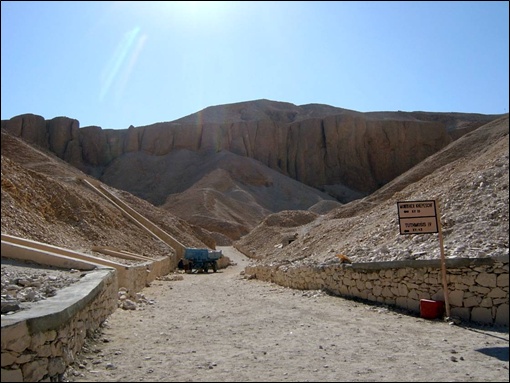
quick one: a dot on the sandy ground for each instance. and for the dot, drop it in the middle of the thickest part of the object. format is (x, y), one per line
(224, 327)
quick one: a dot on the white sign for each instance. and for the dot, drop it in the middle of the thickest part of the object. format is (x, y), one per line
(417, 217)
(416, 209)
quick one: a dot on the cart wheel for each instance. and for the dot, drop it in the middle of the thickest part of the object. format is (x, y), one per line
(215, 266)
(205, 269)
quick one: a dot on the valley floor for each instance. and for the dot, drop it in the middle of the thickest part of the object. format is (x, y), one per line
(224, 327)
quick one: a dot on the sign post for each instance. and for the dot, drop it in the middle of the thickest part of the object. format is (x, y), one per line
(421, 217)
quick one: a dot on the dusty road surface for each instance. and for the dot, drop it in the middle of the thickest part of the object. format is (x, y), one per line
(224, 327)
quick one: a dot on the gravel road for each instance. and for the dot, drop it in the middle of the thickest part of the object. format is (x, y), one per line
(225, 327)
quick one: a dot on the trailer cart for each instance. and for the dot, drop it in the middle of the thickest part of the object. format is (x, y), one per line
(201, 259)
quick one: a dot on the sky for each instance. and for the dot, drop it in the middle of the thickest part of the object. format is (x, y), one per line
(115, 64)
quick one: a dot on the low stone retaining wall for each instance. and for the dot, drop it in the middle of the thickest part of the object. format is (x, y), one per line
(134, 278)
(477, 287)
(38, 344)
(131, 277)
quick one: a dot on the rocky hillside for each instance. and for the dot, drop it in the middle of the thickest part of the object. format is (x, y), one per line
(221, 192)
(342, 152)
(44, 200)
(469, 181)
(227, 167)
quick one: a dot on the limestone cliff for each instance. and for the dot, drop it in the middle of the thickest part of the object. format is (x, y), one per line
(345, 153)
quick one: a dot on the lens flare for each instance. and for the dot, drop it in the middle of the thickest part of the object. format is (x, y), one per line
(122, 62)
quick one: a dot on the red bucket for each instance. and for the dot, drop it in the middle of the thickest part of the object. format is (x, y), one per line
(430, 309)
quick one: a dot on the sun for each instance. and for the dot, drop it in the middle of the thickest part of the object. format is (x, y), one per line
(183, 15)
(193, 9)
(196, 16)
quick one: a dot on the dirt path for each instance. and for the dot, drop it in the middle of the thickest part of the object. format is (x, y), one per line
(223, 327)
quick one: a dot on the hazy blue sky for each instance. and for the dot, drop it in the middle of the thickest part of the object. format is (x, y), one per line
(116, 64)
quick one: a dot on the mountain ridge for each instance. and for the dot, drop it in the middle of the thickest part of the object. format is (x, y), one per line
(469, 181)
(341, 154)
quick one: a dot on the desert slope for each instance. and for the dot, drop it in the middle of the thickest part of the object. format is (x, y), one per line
(468, 178)
(217, 181)
(44, 200)
(221, 192)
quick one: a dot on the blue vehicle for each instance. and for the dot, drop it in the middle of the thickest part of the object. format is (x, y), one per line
(200, 259)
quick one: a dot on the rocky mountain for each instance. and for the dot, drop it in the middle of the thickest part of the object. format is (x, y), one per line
(226, 168)
(44, 200)
(468, 179)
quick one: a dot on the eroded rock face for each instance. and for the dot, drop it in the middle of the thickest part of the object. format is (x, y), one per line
(31, 127)
(360, 151)
(63, 132)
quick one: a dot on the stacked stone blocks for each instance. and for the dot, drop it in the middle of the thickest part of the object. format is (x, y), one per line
(477, 288)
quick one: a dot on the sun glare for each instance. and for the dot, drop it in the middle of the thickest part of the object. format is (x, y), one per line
(189, 10)
(181, 15)
(196, 7)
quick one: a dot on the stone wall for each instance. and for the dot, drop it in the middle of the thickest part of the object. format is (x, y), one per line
(38, 344)
(477, 287)
(134, 278)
